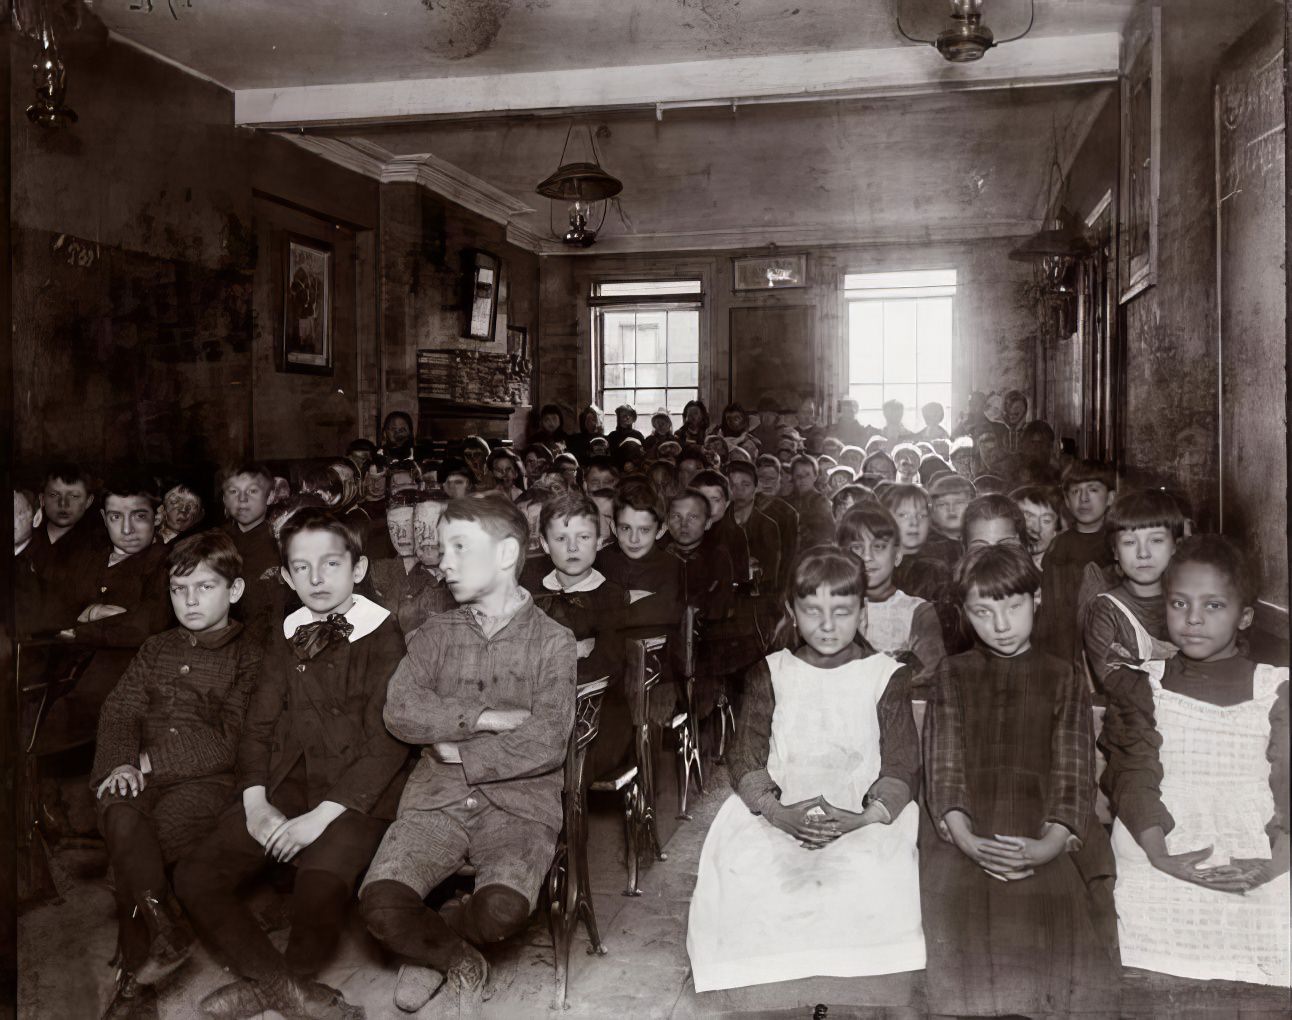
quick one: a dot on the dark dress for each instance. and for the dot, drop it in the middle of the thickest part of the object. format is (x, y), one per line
(1009, 742)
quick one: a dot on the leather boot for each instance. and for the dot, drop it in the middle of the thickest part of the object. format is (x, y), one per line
(170, 939)
(131, 1000)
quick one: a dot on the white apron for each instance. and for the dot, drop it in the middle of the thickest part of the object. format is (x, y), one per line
(1216, 784)
(764, 908)
(888, 623)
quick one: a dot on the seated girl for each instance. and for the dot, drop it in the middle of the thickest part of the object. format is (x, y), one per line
(1198, 778)
(1017, 907)
(810, 867)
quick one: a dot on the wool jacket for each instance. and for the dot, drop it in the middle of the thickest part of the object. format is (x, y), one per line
(327, 711)
(182, 700)
(453, 672)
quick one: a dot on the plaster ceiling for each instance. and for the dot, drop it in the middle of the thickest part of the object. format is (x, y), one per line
(900, 168)
(248, 44)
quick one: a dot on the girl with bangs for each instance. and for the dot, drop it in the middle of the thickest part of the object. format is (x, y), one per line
(810, 867)
(1016, 870)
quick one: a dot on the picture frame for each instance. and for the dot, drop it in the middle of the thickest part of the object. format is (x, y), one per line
(771, 272)
(483, 273)
(307, 294)
(1141, 148)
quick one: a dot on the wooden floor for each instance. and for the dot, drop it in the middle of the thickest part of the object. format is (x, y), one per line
(65, 947)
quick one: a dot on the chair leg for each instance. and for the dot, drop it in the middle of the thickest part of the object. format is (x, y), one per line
(683, 771)
(561, 920)
(631, 852)
(721, 708)
(577, 876)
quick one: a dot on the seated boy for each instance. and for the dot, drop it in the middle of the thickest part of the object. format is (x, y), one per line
(600, 473)
(66, 530)
(639, 564)
(768, 472)
(903, 625)
(715, 488)
(1042, 507)
(1089, 489)
(933, 413)
(1122, 624)
(574, 593)
(247, 491)
(456, 479)
(767, 545)
(690, 462)
(318, 776)
(816, 524)
(410, 584)
(488, 692)
(949, 496)
(163, 763)
(906, 459)
(117, 598)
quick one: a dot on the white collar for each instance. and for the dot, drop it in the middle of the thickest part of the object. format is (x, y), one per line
(592, 582)
(365, 616)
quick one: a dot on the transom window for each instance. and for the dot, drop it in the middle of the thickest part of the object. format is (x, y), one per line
(647, 344)
(900, 338)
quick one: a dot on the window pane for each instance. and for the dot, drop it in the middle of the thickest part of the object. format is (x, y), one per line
(651, 340)
(899, 341)
(683, 375)
(613, 375)
(677, 399)
(935, 339)
(940, 393)
(647, 401)
(613, 398)
(634, 288)
(904, 392)
(683, 336)
(650, 375)
(630, 375)
(617, 330)
(868, 395)
(865, 341)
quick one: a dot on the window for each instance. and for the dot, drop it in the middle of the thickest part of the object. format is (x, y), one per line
(647, 344)
(900, 331)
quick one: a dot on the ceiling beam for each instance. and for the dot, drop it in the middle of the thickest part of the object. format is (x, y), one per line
(903, 70)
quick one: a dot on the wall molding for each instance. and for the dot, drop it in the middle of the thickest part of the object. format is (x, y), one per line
(430, 172)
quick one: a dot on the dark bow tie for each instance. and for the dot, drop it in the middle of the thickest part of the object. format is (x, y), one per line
(311, 638)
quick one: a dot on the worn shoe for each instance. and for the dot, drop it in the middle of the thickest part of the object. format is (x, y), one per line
(294, 998)
(170, 938)
(415, 986)
(131, 1000)
(467, 978)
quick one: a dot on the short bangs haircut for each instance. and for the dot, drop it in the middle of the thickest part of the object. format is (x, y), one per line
(1225, 557)
(1088, 471)
(712, 480)
(838, 571)
(640, 496)
(993, 506)
(869, 517)
(766, 460)
(311, 518)
(740, 467)
(1145, 508)
(68, 474)
(691, 494)
(899, 495)
(500, 518)
(566, 506)
(214, 548)
(997, 572)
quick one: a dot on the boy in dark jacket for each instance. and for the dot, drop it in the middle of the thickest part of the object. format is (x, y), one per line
(163, 763)
(318, 777)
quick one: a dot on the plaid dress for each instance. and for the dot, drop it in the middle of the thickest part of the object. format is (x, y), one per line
(1009, 742)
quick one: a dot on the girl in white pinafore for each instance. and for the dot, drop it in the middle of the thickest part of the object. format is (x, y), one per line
(811, 867)
(1213, 726)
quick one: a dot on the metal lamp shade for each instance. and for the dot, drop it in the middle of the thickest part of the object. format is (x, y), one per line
(586, 182)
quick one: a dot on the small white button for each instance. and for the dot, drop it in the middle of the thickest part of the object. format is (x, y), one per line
(471, 802)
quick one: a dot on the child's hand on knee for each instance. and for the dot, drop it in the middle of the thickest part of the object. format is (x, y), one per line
(294, 834)
(262, 817)
(125, 780)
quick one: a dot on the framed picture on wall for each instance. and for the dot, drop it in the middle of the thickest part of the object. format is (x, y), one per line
(482, 276)
(307, 306)
(778, 272)
(1141, 143)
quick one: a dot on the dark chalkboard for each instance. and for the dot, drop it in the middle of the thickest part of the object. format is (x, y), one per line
(772, 354)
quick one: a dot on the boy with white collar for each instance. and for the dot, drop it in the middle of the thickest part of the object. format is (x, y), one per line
(318, 777)
(575, 593)
(488, 692)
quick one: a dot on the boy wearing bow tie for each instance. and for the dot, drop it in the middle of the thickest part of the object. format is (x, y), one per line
(318, 778)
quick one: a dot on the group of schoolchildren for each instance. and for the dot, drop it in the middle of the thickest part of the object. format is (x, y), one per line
(372, 682)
